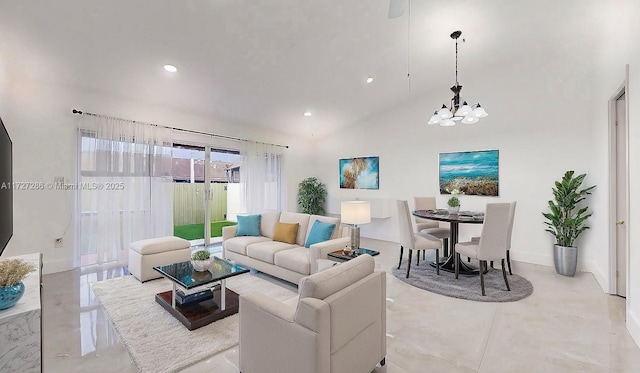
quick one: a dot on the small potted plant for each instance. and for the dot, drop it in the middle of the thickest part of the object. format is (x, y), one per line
(454, 201)
(12, 272)
(567, 221)
(201, 260)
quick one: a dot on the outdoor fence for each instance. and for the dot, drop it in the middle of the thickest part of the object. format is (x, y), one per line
(188, 203)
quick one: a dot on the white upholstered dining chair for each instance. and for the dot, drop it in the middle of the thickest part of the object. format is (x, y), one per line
(493, 242)
(412, 241)
(512, 214)
(431, 227)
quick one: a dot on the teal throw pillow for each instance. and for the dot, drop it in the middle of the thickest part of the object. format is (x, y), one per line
(248, 225)
(320, 232)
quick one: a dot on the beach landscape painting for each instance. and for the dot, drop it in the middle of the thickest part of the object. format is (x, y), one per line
(359, 173)
(473, 173)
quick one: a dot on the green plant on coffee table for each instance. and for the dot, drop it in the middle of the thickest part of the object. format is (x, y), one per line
(13, 271)
(565, 221)
(311, 196)
(201, 255)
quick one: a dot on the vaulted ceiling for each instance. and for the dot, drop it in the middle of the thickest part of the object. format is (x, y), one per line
(265, 62)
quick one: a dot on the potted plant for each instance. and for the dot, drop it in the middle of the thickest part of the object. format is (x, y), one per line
(201, 260)
(567, 220)
(454, 201)
(12, 272)
(311, 196)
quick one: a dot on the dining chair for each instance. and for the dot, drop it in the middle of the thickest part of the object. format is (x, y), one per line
(493, 242)
(431, 227)
(512, 214)
(413, 241)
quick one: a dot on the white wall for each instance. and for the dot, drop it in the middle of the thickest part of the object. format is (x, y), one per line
(617, 47)
(539, 121)
(43, 129)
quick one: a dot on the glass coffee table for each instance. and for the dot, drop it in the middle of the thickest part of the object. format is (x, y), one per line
(199, 298)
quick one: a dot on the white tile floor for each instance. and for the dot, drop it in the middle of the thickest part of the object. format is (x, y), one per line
(567, 325)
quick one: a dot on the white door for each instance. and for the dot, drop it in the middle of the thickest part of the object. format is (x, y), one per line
(621, 197)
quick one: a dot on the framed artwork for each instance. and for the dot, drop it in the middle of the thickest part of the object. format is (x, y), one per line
(359, 173)
(473, 173)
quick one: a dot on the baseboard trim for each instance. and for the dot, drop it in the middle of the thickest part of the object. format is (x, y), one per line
(55, 266)
(591, 266)
(521, 256)
(633, 326)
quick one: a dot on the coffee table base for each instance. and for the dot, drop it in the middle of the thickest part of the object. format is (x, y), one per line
(197, 315)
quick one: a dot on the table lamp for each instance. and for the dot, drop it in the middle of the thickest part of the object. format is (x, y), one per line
(354, 213)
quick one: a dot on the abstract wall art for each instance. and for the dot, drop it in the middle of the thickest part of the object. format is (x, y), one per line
(359, 173)
(473, 172)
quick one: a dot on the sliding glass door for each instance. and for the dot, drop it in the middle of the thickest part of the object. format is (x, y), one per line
(201, 178)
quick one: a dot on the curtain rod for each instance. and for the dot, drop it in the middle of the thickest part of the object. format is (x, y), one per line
(74, 111)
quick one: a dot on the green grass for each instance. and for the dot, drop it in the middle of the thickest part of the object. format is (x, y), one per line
(196, 231)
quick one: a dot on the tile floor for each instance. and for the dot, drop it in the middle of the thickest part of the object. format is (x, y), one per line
(567, 325)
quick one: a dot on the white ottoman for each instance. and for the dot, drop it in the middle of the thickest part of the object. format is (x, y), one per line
(146, 254)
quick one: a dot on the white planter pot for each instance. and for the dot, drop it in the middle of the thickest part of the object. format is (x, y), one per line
(454, 210)
(201, 265)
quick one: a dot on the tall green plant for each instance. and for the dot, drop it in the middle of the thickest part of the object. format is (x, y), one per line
(311, 196)
(565, 221)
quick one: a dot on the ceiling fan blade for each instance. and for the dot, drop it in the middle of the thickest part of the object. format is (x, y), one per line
(396, 8)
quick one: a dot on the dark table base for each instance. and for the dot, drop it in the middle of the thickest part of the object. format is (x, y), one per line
(197, 315)
(450, 266)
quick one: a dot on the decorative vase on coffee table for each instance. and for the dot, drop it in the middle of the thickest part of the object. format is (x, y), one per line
(10, 295)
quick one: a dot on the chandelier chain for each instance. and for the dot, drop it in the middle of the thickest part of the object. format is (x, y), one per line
(457, 61)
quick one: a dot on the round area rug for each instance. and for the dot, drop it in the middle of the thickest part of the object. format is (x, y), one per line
(465, 287)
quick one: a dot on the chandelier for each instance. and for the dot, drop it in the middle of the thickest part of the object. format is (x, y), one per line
(448, 116)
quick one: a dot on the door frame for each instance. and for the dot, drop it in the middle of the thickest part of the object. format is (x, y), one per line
(613, 279)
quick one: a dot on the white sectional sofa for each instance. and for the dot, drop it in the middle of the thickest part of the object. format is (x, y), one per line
(288, 261)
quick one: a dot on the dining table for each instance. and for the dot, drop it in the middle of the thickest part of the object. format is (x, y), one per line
(454, 220)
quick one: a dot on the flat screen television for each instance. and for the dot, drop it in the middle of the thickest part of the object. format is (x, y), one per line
(6, 188)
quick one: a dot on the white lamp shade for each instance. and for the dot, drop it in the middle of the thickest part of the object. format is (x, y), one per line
(444, 113)
(470, 119)
(447, 123)
(355, 212)
(435, 119)
(479, 112)
(464, 110)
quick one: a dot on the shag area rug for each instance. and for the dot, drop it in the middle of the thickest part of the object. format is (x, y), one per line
(465, 287)
(156, 341)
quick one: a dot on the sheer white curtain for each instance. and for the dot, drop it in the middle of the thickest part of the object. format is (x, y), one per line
(261, 177)
(125, 189)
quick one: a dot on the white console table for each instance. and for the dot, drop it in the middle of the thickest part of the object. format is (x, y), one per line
(20, 325)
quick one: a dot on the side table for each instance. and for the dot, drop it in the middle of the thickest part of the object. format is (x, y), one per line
(344, 257)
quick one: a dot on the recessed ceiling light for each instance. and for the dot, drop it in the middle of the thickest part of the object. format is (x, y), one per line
(369, 80)
(307, 114)
(170, 68)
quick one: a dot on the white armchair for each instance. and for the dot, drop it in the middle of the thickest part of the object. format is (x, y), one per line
(337, 324)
